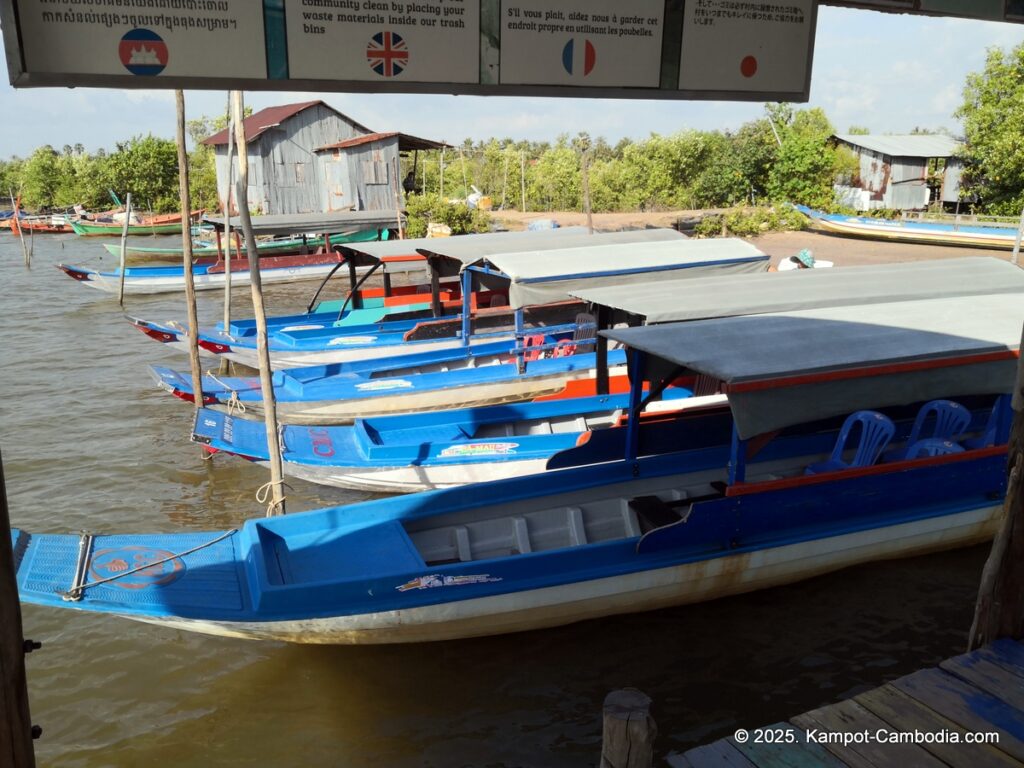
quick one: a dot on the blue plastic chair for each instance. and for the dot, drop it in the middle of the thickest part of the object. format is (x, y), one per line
(951, 421)
(932, 446)
(876, 431)
(988, 437)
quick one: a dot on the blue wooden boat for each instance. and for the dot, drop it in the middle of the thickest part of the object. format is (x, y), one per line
(488, 374)
(910, 231)
(700, 507)
(533, 278)
(426, 451)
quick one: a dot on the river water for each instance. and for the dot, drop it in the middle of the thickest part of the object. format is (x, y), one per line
(89, 443)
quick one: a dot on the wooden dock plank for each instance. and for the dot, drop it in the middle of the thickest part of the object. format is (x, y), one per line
(850, 718)
(905, 714)
(799, 754)
(991, 678)
(717, 754)
(971, 708)
(1008, 654)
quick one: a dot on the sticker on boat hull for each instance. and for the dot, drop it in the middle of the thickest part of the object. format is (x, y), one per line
(346, 340)
(480, 449)
(435, 580)
(113, 562)
(384, 384)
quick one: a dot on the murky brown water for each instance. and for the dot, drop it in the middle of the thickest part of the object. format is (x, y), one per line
(89, 443)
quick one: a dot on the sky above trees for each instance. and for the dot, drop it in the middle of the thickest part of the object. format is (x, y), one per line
(887, 72)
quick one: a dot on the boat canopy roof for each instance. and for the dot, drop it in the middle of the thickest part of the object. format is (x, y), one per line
(315, 223)
(544, 276)
(786, 368)
(668, 299)
(392, 250)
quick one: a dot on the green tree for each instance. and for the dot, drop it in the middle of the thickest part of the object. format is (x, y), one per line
(806, 165)
(993, 119)
(39, 179)
(148, 168)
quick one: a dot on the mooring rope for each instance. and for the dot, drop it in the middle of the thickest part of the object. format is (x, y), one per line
(76, 593)
(263, 494)
(234, 405)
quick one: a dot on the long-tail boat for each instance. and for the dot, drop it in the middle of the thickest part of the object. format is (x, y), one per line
(638, 517)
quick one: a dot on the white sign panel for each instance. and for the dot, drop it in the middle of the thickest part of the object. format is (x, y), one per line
(588, 43)
(222, 38)
(746, 45)
(386, 41)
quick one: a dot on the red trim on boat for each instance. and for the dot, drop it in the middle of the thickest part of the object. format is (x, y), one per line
(745, 489)
(212, 346)
(879, 370)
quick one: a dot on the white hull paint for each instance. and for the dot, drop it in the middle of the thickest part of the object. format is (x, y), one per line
(649, 590)
(175, 284)
(413, 479)
(341, 354)
(346, 411)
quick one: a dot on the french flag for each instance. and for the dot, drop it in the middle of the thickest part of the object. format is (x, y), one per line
(579, 59)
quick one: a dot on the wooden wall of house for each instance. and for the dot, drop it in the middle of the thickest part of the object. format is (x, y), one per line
(372, 171)
(285, 173)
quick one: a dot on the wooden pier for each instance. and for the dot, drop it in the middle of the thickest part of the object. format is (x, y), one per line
(923, 719)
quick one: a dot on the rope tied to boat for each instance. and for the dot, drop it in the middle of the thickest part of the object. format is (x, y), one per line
(234, 405)
(263, 494)
(77, 590)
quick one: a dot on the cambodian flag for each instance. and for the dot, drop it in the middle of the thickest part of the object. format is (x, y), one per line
(579, 59)
(388, 54)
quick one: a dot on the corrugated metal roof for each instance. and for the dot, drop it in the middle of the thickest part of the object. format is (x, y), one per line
(260, 122)
(405, 141)
(915, 145)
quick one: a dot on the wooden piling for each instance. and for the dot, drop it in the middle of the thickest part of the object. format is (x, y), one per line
(276, 505)
(999, 611)
(21, 232)
(628, 730)
(184, 197)
(585, 178)
(124, 246)
(16, 730)
(227, 221)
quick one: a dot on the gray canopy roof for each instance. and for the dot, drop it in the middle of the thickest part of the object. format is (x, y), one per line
(316, 223)
(469, 250)
(544, 276)
(669, 300)
(793, 367)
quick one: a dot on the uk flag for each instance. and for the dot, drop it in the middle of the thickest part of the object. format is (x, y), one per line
(388, 54)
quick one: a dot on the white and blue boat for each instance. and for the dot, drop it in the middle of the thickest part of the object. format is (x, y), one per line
(773, 487)
(963, 234)
(211, 274)
(580, 259)
(427, 451)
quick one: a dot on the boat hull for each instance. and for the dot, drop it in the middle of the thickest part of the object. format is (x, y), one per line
(628, 593)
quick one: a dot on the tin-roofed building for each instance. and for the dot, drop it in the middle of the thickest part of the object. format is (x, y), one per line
(901, 172)
(311, 158)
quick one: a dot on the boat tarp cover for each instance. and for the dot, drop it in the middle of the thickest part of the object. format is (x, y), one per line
(544, 276)
(313, 223)
(811, 343)
(369, 253)
(668, 300)
(450, 254)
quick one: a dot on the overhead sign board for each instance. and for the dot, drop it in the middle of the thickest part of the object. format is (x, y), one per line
(660, 49)
(754, 50)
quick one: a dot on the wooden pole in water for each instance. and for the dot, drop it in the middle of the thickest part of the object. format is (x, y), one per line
(16, 730)
(999, 611)
(16, 222)
(124, 247)
(227, 221)
(276, 506)
(185, 200)
(628, 730)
